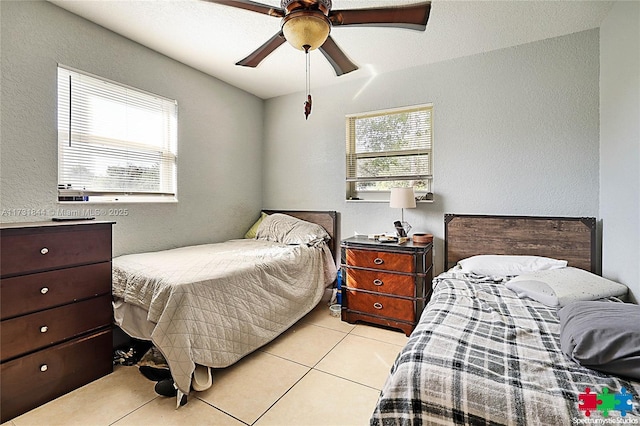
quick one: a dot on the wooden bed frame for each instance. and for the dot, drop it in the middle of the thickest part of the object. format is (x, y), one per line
(327, 219)
(567, 238)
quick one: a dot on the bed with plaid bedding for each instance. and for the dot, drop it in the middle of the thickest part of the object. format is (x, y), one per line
(482, 355)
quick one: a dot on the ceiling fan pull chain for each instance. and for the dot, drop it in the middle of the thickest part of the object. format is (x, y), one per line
(307, 103)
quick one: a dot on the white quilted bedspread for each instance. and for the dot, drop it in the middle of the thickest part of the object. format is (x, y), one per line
(212, 304)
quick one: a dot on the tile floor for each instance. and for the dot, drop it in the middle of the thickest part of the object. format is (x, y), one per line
(322, 371)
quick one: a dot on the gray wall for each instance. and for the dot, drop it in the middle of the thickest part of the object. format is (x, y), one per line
(620, 144)
(515, 132)
(220, 131)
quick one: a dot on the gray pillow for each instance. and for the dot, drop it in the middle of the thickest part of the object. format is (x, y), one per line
(559, 287)
(603, 336)
(287, 229)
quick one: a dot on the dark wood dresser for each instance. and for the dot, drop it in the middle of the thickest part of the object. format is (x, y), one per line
(385, 283)
(55, 309)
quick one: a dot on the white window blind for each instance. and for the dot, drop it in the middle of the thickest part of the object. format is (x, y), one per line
(114, 139)
(389, 148)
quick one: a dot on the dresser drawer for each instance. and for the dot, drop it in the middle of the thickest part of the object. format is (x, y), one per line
(32, 380)
(381, 260)
(34, 331)
(376, 304)
(383, 282)
(34, 292)
(25, 250)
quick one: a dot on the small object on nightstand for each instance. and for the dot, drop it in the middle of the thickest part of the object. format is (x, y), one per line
(419, 238)
(387, 239)
(403, 240)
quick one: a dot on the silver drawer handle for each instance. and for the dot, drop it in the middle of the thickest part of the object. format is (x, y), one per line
(44, 329)
(377, 281)
(44, 290)
(378, 261)
(44, 250)
(44, 367)
(377, 305)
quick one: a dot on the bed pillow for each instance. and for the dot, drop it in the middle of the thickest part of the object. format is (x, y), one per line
(251, 233)
(560, 287)
(602, 336)
(503, 265)
(287, 229)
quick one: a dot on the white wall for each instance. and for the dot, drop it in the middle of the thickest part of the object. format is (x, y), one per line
(220, 130)
(620, 144)
(515, 132)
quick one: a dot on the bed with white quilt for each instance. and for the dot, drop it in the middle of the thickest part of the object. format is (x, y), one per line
(518, 331)
(212, 304)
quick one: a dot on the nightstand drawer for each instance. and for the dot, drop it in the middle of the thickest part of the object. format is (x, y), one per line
(383, 282)
(34, 331)
(376, 304)
(381, 260)
(34, 250)
(34, 292)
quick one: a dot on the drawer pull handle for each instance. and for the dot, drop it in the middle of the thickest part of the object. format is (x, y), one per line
(44, 367)
(44, 290)
(44, 329)
(44, 250)
(378, 261)
(377, 281)
(377, 305)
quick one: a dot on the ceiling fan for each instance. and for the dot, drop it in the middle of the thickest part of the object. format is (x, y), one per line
(306, 25)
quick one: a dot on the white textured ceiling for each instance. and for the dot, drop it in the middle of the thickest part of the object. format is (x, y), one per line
(212, 38)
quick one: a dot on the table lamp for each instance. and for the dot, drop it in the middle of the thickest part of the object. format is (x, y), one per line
(402, 198)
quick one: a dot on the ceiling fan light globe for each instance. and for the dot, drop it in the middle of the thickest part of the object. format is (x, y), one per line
(306, 30)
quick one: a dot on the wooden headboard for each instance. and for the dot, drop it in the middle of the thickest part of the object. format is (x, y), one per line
(327, 219)
(567, 238)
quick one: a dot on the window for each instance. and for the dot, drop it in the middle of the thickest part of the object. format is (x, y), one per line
(389, 148)
(115, 143)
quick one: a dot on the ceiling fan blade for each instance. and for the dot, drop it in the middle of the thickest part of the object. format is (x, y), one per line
(413, 17)
(252, 6)
(254, 59)
(336, 57)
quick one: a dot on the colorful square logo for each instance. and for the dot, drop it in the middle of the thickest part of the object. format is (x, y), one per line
(605, 402)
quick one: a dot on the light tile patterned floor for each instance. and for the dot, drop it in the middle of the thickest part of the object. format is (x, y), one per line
(322, 371)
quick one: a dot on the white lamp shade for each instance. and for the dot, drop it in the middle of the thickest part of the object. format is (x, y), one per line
(402, 198)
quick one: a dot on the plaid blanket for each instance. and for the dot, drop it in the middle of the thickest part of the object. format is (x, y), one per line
(481, 355)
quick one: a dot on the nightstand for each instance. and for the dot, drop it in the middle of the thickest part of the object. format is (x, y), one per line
(385, 283)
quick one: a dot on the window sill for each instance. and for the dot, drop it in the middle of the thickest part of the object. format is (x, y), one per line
(385, 201)
(124, 199)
